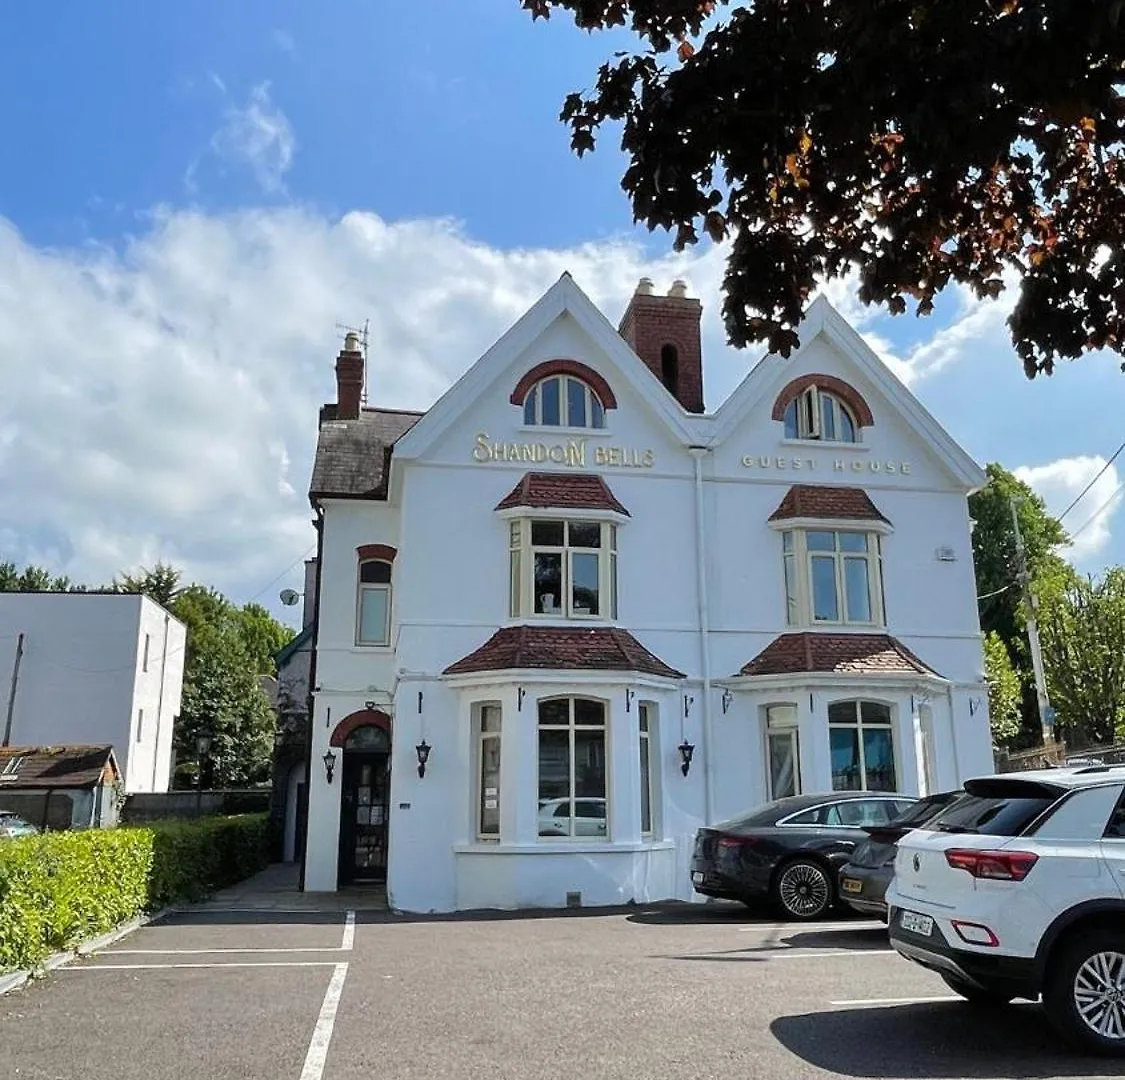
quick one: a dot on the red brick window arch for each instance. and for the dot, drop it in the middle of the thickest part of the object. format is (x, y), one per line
(822, 407)
(564, 393)
(374, 594)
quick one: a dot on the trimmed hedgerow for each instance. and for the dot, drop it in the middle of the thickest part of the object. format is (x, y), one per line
(61, 888)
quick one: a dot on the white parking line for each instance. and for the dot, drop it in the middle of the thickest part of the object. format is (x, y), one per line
(349, 932)
(793, 954)
(219, 952)
(230, 964)
(322, 1033)
(894, 1001)
(819, 928)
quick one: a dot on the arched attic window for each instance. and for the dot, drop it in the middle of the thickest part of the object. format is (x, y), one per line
(822, 407)
(563, 401)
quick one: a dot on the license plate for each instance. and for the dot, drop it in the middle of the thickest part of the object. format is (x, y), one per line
(850, 885)
(696, 878)
(916, 924)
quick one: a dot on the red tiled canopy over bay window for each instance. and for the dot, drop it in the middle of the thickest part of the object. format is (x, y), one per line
(562, 491)
(849, 395)
(831, 503)
(563, 649)
(841, 654)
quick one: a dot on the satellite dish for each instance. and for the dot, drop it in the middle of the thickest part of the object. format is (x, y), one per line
(289, 597)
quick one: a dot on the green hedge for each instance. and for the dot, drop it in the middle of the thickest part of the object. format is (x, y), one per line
(60, 888)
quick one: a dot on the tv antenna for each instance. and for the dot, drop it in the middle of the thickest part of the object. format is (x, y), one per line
(362, 335)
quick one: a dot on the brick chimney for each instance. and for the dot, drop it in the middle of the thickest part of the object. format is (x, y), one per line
(349, 379)
(664, 333)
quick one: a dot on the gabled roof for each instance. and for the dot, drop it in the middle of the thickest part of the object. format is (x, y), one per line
(829, 502)
(562, 491)
(561, 648)
(562, 297)
(56, 766)
(353, 456)
(283, 655)
(769, 376)
(841, 654)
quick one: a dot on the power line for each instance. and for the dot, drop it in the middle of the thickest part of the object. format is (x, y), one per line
(269, 584)
(1078, 498)
(1097, 513)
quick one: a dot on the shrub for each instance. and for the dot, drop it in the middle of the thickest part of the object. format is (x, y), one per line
(60, 888)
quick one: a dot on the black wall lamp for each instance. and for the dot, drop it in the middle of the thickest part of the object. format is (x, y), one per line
(686, 750)
(629, 695)
(688, 702)
(329, 760)
(423, 751)
(728, 697)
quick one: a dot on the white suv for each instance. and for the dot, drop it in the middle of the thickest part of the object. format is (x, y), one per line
(1018, 890)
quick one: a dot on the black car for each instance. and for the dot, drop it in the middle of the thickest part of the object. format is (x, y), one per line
(866, 875)
(789, 851)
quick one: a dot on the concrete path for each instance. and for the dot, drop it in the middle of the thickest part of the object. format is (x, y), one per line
(276, 889)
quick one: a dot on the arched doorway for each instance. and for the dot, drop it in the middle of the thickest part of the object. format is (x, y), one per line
(365, 785)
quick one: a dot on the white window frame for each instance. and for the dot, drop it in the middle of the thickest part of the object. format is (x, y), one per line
(807, 406)
(797, 576)
(859, 727)
(648, 740)
(533, 404)
(140, 725)
(144, 659)
(362, 588)
(482, 736)
(780, 727)
(521, 569)
(571, 727)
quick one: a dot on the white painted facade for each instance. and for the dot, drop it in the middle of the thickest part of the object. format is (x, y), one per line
(97, 668)
(700, 585)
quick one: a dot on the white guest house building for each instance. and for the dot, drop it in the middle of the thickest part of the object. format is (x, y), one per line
(565, 617)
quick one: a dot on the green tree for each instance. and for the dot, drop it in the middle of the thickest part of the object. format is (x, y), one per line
(161, 583)
(1005, 692)
(33, 579)
(921, 141)
(1082, 628)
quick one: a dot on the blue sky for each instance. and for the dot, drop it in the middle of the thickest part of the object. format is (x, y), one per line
(192, 195)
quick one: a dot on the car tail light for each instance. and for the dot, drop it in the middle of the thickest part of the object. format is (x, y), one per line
(736, 841)
(975, 933)
(994, 865)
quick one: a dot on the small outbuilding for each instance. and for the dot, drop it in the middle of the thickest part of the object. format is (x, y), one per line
(61, 787)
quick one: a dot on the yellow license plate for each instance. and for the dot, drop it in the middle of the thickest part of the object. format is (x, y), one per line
(851, 885)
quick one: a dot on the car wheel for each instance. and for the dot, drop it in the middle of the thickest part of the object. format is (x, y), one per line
(976, 994)
(1084, 992)
(803, 889)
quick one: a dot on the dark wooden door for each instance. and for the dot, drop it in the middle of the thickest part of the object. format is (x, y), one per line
(365, 793)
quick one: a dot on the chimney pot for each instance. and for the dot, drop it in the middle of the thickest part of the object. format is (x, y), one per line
(678, 289)
(644, 287)
(351, 342)
(664, 332)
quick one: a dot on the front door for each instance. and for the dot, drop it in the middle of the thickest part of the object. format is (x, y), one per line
(365, 794)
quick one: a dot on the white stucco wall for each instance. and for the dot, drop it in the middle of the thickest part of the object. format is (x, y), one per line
(451, 593)
(83, 680)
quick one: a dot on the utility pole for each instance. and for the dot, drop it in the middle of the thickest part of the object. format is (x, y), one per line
(12, 693)
(1046, 713)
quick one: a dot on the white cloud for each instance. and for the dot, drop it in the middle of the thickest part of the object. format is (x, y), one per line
(257, 135)
(1060, 482)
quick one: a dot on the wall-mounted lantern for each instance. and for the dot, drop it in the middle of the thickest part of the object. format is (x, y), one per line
(688, 702)
(629, 695)
(686, 750)
(329, 760)
(423, 751)
(728, 697)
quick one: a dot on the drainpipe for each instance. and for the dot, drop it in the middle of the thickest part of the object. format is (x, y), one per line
(318, 524)
(697, 454)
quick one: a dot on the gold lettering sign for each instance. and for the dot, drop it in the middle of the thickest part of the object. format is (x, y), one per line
(574, 453)
(854, 465)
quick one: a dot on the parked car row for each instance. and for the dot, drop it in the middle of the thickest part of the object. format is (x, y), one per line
(1012, 887)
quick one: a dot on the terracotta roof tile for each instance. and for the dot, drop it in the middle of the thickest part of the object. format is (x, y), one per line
(828, 502)
(562, 491)
(851, 654)
(55, 766)
(596, 648)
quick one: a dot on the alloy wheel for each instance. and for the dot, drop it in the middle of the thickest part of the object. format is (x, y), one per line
(1099, 994)
(803, 889)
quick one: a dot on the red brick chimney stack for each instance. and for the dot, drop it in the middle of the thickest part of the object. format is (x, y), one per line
(349, 379)
(664, 333)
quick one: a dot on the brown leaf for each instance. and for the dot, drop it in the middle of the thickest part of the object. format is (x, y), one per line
(685, 52)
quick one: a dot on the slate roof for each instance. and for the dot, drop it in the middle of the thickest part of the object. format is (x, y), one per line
(283, 655)
(566, 491)
(845, 654)
(353, 457)
(56, 766)
(828, 502)
(600, 648)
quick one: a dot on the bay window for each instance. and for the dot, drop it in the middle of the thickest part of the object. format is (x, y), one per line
(861, 742)
(488, 772)
(563, 569)
(832, 576)
(572, 768)
(783, 756)
(645, 716)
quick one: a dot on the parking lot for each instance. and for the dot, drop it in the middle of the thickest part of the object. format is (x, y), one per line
(669, 991)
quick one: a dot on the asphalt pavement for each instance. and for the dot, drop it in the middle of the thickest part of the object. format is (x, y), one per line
(670, 992)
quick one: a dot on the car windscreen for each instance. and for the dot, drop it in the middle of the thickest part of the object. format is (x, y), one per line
(1003, 808)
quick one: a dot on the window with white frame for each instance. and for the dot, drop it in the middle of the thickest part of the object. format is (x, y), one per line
(819, 414)
(488, 772)
(140, 725)
(563, 401)
(373, 609)
(572, 768)
(783, 751)
(646, 720)
(563, 569)
(832, 576)
(861, 742)
(144, 661)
